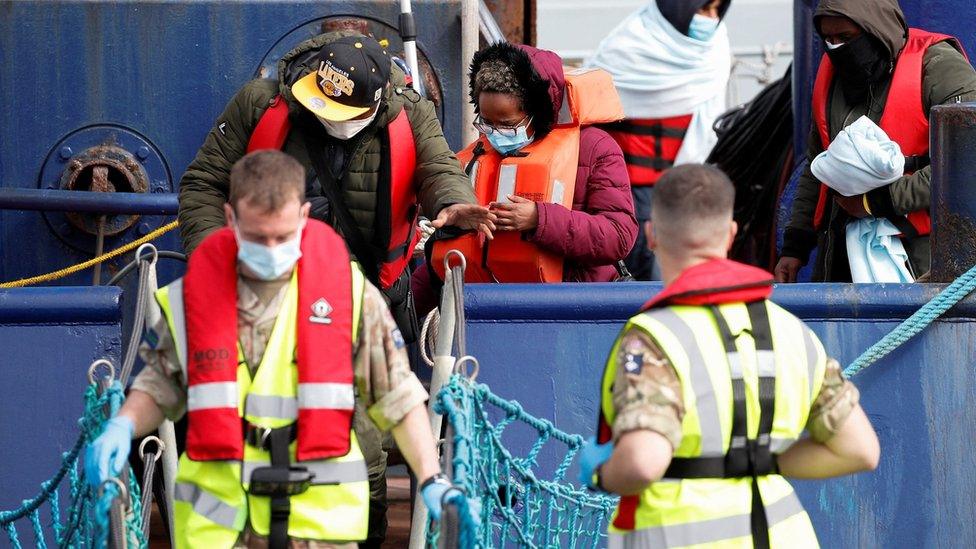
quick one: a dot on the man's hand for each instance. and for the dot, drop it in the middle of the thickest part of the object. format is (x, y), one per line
(786, 270)
(108, 454)
(853, 205)
(467, 216)
(592, 456)
(521, 215)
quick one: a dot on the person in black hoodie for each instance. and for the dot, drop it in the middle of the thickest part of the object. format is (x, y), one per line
(874, 66)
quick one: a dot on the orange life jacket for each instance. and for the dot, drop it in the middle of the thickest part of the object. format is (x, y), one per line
(904, 118)
(323, 354)
(399, 203)
(543, 171)
(650, 145)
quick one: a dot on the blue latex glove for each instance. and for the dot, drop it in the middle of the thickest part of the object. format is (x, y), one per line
(592, 456)
(433, 495)
(108, 454)
(434, 499)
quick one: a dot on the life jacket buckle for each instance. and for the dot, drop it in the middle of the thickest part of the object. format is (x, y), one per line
(280, 482)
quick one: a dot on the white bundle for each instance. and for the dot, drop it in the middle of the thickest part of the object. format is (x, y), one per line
(860, 159)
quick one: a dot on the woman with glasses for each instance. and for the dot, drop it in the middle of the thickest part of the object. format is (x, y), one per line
(518, 92)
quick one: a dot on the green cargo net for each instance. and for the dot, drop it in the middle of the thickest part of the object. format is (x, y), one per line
(87, 522)
(516, 507)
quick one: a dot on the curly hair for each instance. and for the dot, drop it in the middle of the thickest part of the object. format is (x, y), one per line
(495, 76)
(505, 68)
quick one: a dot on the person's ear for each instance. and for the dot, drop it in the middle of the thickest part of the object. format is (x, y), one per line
(650, 236)
(305, 211)
(733, 230)
(228, 214)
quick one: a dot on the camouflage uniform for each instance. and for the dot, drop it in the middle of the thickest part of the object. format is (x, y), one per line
(650, 398)
(386, 389)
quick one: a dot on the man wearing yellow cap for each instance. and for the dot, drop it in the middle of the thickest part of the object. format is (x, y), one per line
(375, 156)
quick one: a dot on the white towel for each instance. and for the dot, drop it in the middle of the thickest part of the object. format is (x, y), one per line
(860, 159)
(875, 252)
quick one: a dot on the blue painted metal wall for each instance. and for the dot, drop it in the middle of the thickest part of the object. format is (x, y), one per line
(158, 73)
(545, 346)
(48, 338)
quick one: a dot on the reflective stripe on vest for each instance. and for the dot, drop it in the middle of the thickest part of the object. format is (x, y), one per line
(210, 507)
(206, 396)
(904, 119)
(673, 513)
(706, 531)
(326, 395)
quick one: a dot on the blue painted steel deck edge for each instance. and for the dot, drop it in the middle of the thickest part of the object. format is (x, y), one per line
(618, 302)
(61, 305)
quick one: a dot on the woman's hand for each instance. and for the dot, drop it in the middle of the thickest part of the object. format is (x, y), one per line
(520, 215)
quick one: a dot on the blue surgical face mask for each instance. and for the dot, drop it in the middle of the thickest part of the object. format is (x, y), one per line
(506, 144)
(702, 28)
(268, 262)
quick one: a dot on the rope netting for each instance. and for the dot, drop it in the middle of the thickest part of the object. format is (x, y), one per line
(516, 505)
(87, 522)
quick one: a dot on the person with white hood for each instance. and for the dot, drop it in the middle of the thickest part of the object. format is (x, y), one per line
(671, 62)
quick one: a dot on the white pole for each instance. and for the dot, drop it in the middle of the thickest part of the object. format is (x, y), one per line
(408, 31)
(443, 366)
(167, 433)
(470, 30)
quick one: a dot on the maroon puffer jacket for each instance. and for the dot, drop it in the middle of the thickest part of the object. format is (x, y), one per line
(601, 227)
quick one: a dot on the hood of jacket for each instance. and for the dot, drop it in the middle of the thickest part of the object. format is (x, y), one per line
(680, 12)
(301, 60)
(540, 74)
(882, 19)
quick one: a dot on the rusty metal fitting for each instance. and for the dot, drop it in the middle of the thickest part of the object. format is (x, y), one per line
(107, 169)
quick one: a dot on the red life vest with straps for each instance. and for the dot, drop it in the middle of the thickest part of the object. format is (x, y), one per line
(650, 146)
(714, 282)
(272, 131)
(323, 354)
(904, 118)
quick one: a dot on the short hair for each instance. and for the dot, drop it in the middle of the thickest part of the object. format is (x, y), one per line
(496, 76)
(692, 204)
(267, 179)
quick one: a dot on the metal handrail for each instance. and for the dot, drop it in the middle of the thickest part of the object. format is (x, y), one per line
(489, 27)
(54, 200)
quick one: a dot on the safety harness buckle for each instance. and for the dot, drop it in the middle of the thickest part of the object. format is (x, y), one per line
(280, 482)
(260, 437)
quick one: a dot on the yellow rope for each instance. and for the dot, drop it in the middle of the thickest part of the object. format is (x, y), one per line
(91, 262)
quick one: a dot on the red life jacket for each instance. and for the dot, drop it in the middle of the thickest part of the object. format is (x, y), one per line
(711, 283)
(904, 118)
(272, 131)
(324, 350)
(650, 145)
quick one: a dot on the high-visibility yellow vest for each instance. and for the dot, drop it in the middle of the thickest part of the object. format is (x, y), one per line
(786, 365)
(212, 506)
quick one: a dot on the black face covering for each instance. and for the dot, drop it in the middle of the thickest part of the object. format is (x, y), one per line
(859, 63)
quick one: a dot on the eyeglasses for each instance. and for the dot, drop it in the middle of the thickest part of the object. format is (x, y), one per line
(507, 131)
